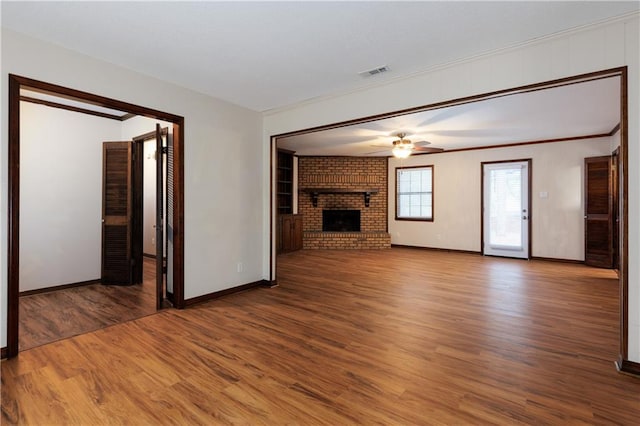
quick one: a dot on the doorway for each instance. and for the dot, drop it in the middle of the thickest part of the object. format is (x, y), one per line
(16, 83)
(506, 201)
(618, 74)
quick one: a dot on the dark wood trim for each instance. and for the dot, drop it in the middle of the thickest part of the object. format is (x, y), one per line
(614, 130)
(273, 156)
(151, 135)
(3, 352)
(218, 294)
(13, 225)
(148, 255)
(436, 249)
(530, 203)
(510, 145)
(58, 287)
(339, 190)
(628, 367)
(315, 192)
(286, 151)
(529, 199)
(178, 213)
(615, 195)
(553, 259)
(476, 148)
(433, 194)
(13, 194)
(624, 217)
(270, 283)
(90, 98)
(127, 117)
(70, 108)
(138, 200)
(566, 81)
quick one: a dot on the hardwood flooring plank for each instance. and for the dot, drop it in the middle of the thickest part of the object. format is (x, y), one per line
(48, 317)
(396, 337)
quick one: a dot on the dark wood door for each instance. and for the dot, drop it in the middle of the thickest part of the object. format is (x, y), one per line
(296, 238)
(159, 219)
(287, 232)
(290, 232)
(598, 212)
(615, 207)
(117, 197)
(137, 212)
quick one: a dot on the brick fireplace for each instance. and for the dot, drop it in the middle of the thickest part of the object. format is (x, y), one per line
(340, 184)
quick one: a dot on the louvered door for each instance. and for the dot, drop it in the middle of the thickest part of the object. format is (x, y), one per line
(159, 218)
(116, 213)
(598, 206)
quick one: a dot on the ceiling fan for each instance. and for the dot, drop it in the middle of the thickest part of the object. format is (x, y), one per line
(403, 148)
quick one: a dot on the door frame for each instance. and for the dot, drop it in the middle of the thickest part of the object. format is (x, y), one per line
(13, 196)
(138, 203)
(622, 362)
(529, 181)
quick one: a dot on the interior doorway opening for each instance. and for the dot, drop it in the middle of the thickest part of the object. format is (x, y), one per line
(18, 83)
(617, 75)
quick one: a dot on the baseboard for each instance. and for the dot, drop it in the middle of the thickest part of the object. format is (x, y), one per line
(436, 249)
(57, 287)
(3, 352)
(546, 259)
(553, 259)
(225, 292)
(628, 367)
(270, 284)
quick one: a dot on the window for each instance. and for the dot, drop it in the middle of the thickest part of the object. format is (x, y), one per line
(414, 193)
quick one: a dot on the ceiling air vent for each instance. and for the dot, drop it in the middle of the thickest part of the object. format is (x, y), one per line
(374, 71)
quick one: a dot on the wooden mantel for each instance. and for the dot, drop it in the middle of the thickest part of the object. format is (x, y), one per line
(315, 192)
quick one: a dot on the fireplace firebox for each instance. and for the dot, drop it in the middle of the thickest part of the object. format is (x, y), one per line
(340, 220)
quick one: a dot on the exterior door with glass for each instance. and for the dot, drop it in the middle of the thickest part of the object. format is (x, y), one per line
(505, 209)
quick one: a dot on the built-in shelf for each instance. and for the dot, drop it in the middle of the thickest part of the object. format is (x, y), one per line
(285, 182)
(315, 193)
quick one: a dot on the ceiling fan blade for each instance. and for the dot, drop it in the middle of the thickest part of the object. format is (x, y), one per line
(377, 152)
(442, 114)
(471, 132)
(427, 149)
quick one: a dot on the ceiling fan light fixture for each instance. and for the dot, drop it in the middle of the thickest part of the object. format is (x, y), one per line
(402, 147)
(401, 151)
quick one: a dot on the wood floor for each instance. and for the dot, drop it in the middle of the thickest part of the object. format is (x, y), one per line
(47, 317)
(399, 336)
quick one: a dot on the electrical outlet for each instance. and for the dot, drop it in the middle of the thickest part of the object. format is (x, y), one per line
(239, 267)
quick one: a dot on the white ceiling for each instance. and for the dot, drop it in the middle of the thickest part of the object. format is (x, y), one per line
(265, 55)
(582, 109)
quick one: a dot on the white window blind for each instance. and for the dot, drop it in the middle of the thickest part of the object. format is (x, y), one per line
(414, 189)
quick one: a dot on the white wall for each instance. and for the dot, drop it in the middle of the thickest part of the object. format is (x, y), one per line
(60, 195)
(557, 221)
(594, 48)
(223, 161)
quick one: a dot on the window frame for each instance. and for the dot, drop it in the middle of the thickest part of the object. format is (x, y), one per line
(397, 194)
